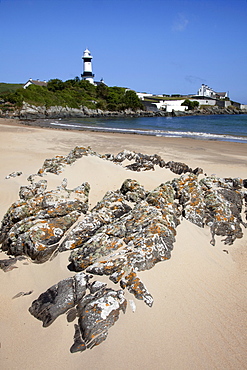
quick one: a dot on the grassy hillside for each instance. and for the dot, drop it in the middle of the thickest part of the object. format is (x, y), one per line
(6, 88)
(73, 93)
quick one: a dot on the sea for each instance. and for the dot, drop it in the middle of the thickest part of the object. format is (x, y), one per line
(231, 128)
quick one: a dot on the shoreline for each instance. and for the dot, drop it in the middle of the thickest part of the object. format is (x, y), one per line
(194, 150)
(46, 123)
(199, 294)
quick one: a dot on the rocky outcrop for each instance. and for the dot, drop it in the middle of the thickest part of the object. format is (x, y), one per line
(214, 202)
(140, 162)
(34, 225)
(55, 165)
(97, 308)
(33, 112)
(119, 240)
(129, 231)
(13, 174)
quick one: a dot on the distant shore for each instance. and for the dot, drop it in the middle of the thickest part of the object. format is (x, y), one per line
(31, 112)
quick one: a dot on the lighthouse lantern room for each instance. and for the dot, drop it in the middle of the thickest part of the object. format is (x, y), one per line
(87, 67)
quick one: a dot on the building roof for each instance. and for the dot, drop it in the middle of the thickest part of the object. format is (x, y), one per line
(221, 93)
(38, 82)
(35, 82)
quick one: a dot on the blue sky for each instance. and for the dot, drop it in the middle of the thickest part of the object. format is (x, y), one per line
(157, 46)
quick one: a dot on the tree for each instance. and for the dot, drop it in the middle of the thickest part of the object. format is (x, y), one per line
(131, 100)
(55, 84)
(190, 104)
(102, 91)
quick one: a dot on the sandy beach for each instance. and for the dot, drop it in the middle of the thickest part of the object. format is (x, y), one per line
(198, 320)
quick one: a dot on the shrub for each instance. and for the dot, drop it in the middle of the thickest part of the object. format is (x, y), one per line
(190, 104)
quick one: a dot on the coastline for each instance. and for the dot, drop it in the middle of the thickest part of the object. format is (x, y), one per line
(213, 127)
(193, 152)
(198, 318)
(33, 112)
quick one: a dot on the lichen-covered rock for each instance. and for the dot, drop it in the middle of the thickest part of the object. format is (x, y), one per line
(136, 287)
(34, 225)
(189, 194)
(140, 161)
(214, 202)
(55, 165)
(130, 230)
(213, 182)
(38, 238)
(112, 206)
(125, 154)
(99, 245)
(223, 214)
(35, 188)
(97, 314)
(134, 242)
(133, 191)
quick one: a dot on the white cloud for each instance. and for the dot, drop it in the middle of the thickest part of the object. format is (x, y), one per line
(180, 23)
(194, 79)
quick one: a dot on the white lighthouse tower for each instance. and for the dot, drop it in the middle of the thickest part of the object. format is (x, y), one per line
(87, 67)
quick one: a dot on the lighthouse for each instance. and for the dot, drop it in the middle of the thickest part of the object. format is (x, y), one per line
(87, 67)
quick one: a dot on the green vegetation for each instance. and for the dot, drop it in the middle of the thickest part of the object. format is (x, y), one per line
(9, 88)
(74, 94)
(191, 104)
(156, 99)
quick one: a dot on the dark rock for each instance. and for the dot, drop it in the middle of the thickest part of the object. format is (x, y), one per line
(79, 345)
(21, 294)
(98, 314)
(138, 166)
(71, 314)
(198, 171)
(96, 311)
(59, 298)
(14, 174)
(8, 264)
(178, 167)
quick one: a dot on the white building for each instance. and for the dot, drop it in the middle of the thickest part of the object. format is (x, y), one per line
(143, 95)
(204, 100)
(171, 105)
(87, 67)
(207, 91)
(34, 82)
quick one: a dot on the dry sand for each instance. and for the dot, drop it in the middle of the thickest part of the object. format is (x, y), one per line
(198, 320)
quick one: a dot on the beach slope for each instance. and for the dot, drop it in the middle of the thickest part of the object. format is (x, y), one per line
(198, 319)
